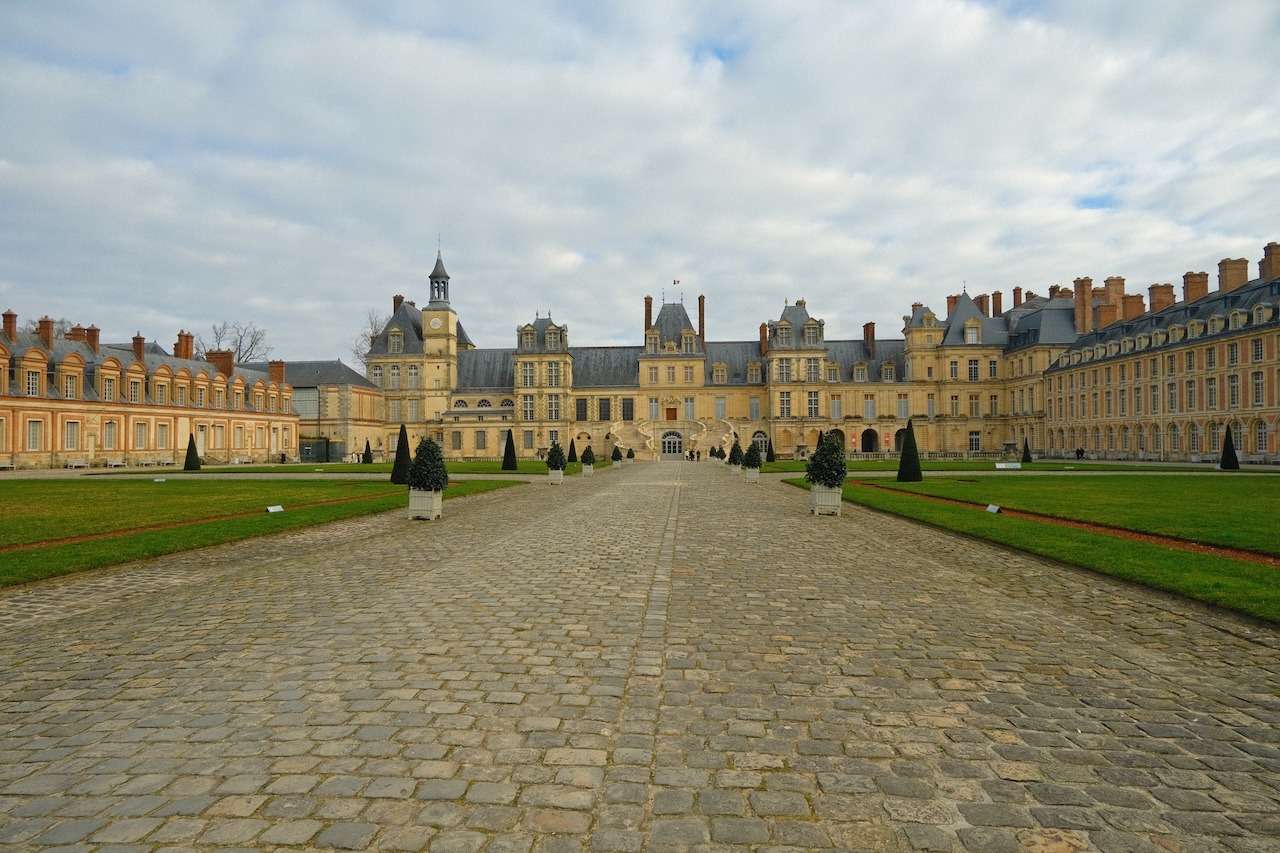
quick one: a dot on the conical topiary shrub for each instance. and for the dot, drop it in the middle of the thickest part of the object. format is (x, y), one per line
(367, 457)
(616, 456)
(1026, 451)
(1229, 461)
(400, 468)
(909, 463)
(751, 458)
(192, 462)
(509, 454)
(631, 454)
(573, 452)
(427, 473)
(826, 466)
(735, 453)
(768, 453)
(588, 457)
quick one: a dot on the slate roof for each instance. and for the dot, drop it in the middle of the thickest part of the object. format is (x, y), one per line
(995, 331)
(672, 322)
(313, 374)
(486, 370)
(606, 367)
(408, 320)
(735, 355)
(1047, 322)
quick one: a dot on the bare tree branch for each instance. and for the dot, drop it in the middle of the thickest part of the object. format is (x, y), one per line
(247, 340)
(374, 322)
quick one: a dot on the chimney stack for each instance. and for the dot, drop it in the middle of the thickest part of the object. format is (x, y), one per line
(222, 359)
(951, 303)
(275, 369)
(1195, 285)
(1114, 291)
(1269, 266)
(1161, 296)
(1084, 305)
(139, 347)
(648, 313)
(76, 333)
(45, 329)
(1017, 296)
(1054, 290)
(11, 325)
(702, 320)
(981, 302)
(1133, 306)
(869, 338)
(91, 338)
(997, 304)
(1107, 314)
(764, 338)
(1233, 273)
(396, 302)
(185, 345)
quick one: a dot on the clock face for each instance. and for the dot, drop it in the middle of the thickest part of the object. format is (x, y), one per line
(435, 322)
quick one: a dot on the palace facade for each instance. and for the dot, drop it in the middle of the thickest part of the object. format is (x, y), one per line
(1082, 368)
(71, 401)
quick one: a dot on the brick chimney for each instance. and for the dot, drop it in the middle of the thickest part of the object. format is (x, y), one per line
(396, 302)
(997, 304)
(764, 338)
(1107, 314)
(1269, 266)
(983, 307)
(1054, 290)
(869, 338)
(951, 303)
(1017, 296)
(1233, 273)
(45, 329)
(1161, 296)
(11, 325)
(91, 338)
(139, 346)
(223, 359)
(1195, 285)
(1133, 306)
(275, 369)
(76, 333)
(648, 313)
(1084, 305)
(702, 320)
(1114, 287)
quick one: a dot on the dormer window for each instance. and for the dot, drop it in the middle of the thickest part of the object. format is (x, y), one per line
(528, 339)
(784, 335)
(1236, 320)
(689, 342)
(973, 333)
(930, 320)
(720, 374)
(553, 339)
(651, 341)
(1215, 325)
(887, 372)
(395, 342)
(753, 371)
(859, 373)
(811, 335)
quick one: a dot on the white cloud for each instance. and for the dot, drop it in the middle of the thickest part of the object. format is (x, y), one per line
(290, 164)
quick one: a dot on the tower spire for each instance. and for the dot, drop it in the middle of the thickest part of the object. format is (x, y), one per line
(439, 282)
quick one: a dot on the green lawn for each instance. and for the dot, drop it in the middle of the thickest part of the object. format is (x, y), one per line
(53, 511)
(854, 466)
(1229, 500)
(484, 466)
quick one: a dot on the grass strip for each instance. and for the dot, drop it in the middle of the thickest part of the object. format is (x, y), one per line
(1232, 584)
(63, 558)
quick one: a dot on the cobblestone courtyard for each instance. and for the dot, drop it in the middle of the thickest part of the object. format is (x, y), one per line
(661, 657)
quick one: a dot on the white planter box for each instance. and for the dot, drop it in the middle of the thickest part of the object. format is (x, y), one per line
(588, 470)
(424, 504)
(555, 478)
(735, 469)
(824, 501)
(752, 475)
(618, 464)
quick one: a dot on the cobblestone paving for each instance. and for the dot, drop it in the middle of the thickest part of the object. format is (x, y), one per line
(660, 657)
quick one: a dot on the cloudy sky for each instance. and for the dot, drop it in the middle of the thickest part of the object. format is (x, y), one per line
(168, 165)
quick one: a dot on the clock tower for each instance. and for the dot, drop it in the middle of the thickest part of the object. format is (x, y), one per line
(439, 322)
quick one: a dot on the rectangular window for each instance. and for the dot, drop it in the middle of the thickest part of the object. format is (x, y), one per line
(993, 369)
(1172, 401)
(395, 378)
(109, 389)
(140, 436)
(553, 373)
(754, 404)
(162, 395)
(604, 410)
(70, 387)
(955, 405)
(833, 374)
(653, 408)
(238, 440)
(1256, 344)
(528, 374)
(35, 435)
(1191, 360)
(813, 404)
(671, 375)
(162, 436)
(553, 407)
(482, 440)
(974, 406)
(955, 369)
(1190, 399)
(975, 441)
(931, 406)
(528, 439)
(1258, 389)
(904, 408)
(1211, 393)
(393, 410)
(1233, 391)
(688, 375)
(688, 408)
(260, 437)
(1137, 401)
(753, 373)
(1107, 402)
(860, 373)
(413, 376)
(837, 408)
(455, 439)
(812, 370)
(628, 409)
(653, 375)
(71, 438)
(1154, 396)
(868, 405)
(33, 383)
(1210, 358)
(720, 407)
(784, 370)
(526, 406)
(784, 404)
(993, 402)
(135, 391)
(415, 413)
(1233, 354)
(109, 435)
(580, 408)
(554, 435)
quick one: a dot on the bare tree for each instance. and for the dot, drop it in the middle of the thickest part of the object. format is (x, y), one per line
(60, 326)
(374, 322)
(247, 340)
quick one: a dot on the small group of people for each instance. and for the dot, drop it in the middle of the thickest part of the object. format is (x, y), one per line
(694, 455)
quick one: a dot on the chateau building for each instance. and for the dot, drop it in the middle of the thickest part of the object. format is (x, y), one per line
(338, 409)
(1078, 368)
(71, 401)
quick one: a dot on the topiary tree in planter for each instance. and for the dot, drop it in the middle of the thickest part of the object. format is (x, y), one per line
(573, 452)
(616, 456)
(509, 454)
(751, 458)
(588, 457)
(825, 472)
(556, 463)
(367, 457)
(735, 453)
(400, 468)
(909, 462)
(1026, 450)
(192, 462)
(426, 480)
(1229, 461)
(631, 454)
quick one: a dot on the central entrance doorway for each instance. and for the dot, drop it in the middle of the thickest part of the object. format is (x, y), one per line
(672, 445)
